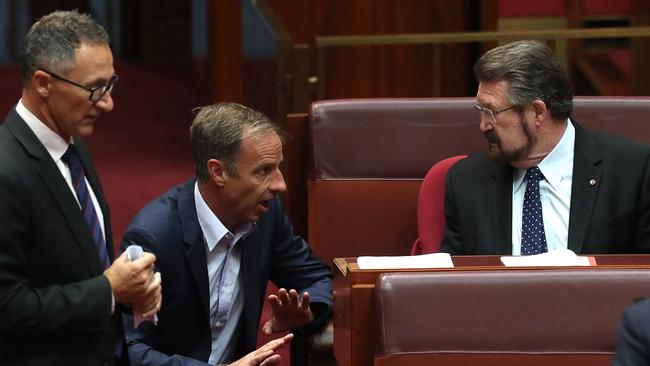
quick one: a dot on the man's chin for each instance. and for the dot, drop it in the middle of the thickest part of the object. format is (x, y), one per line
(497, 155)
(85, 131)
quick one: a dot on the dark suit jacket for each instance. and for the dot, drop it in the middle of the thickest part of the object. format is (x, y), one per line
(169, 228)
(634, 336)
(611, 216)
(55, 304)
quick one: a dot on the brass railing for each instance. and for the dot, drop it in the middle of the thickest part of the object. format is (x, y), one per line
(551, 36)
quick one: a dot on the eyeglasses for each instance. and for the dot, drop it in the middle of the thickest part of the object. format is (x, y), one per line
(96, 93)
(490, 113)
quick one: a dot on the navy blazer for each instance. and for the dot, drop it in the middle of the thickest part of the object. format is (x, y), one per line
(610, 200)
(169, 228)
(55, 304)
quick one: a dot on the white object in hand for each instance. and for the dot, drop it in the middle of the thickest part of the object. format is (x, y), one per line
(134, 252)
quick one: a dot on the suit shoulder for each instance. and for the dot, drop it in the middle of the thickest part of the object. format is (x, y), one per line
(14, 160)
(619, 145)
(475, 163)
(640, 310)
(161, 211)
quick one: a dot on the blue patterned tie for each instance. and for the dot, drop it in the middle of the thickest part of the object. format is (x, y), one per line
(533, 237)
(71, 157)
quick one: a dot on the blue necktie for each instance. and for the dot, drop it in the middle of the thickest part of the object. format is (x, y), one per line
(533, 238)
(71, 157)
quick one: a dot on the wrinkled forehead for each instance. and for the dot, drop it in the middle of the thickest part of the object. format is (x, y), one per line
(493, 93)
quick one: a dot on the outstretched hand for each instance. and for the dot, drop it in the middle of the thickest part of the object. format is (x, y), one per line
(288, 311)
(265, 355)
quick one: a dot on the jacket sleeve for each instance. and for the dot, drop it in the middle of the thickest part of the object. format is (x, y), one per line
(296, 267)
(139, 340)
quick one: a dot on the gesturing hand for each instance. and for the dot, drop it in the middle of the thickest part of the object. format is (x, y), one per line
(288, 311)
(265, 355)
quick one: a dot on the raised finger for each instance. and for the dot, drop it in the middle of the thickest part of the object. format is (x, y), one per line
(293, 298)
(283, 295)
(275, 302)
(305, 301)
(277, 343)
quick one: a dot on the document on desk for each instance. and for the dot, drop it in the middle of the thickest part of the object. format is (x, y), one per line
(434, 260)
(134, 252)
(556, 258)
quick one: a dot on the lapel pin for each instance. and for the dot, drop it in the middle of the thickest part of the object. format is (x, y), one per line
(592, 182)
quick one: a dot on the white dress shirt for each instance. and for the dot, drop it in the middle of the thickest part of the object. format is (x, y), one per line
(224, 279)
(555, 194)
(56, 146)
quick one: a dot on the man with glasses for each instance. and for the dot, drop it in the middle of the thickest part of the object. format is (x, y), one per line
(545, 183)
(61, 289)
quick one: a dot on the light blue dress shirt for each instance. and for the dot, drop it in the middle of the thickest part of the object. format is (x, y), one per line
(224, 262)
(555, 194)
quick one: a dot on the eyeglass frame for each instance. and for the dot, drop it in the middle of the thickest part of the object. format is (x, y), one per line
(108, 87)
(492, 113)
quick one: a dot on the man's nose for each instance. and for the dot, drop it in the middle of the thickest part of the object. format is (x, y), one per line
(278, 184)
(105, 104)
(485, 123)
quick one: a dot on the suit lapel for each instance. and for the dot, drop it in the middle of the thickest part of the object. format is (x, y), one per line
(500, 201)
(193, 238)
(59, 190)
(584, 189)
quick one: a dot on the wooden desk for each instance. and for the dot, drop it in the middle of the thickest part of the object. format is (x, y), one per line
(354, 313)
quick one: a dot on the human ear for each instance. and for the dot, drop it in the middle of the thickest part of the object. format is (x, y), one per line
(42, 83)
(540, 110)
(217, 171)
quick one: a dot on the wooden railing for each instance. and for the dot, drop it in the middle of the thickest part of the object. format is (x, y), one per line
(439, 39)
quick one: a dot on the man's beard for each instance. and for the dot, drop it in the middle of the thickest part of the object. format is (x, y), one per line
(498, 154)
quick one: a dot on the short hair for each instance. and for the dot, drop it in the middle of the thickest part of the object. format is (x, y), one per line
(218, 130)
(532, 71)
(51, 42)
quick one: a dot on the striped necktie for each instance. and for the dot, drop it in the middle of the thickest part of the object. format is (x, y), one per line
(71, 157)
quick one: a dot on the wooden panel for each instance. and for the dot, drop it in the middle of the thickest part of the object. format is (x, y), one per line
(640, 49)
(385, 71)
(295, 164)
(353, 217)
(225, 50)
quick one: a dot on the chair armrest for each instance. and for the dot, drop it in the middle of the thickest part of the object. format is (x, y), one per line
(315, 347)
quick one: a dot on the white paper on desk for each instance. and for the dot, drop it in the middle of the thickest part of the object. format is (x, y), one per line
(556, 258)
(433, 260)
(134, 252)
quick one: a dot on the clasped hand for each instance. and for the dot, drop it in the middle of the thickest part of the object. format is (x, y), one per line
(136, 284)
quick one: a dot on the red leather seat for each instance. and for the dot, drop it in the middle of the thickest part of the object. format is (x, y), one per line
(431, 207)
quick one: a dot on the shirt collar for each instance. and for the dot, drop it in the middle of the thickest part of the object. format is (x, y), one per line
(53, 143)
(213, 229)
(555, 163)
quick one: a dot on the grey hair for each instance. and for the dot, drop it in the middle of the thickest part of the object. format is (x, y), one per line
(51, 42)
(218, 130)
(532, 71)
